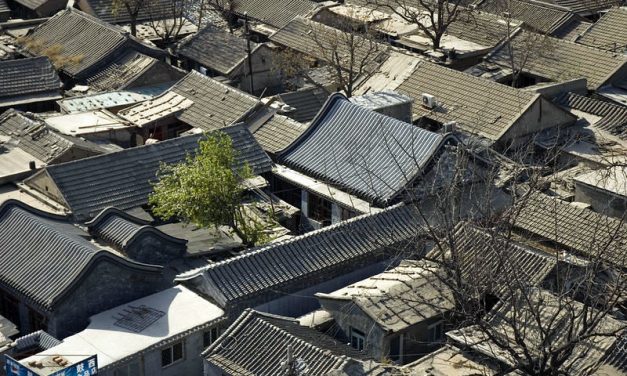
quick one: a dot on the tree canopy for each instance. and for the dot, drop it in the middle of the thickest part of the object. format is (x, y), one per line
(206, 189)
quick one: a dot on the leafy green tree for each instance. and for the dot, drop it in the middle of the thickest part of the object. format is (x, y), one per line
(207, 190)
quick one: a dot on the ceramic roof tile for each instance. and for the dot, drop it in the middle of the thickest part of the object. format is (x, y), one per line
(28, 76)
(581, 230)
(321, 41)
(281, 267)
(540, 17)
(43, 254)
(216, 105)
(216, 49)
(613, 116)
(268, 336)
(123, 179)
(278, 133)
(369, 154)
(306, 103)
(560, 60)
(277, 13)
(35, 138)
(609, 32)
(479, 106)
(104, 10)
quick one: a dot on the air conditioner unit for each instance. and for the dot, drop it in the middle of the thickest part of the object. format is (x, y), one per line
(428, 100)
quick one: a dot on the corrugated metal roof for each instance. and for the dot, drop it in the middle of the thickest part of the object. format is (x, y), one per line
(268, 337)
(124, 179)
(279, 268)
(369, 154)
(28, 76)
(43, 254)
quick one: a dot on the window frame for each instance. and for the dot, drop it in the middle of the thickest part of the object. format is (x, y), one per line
(432, 332)
(359, 336)
(170, 349)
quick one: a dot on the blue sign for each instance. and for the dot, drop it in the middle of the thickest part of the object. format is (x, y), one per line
(86, 367)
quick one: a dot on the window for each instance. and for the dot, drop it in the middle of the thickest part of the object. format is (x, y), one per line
(210, 336)
(358, 339)
(172, 354)
(436, 332)
(131, 369)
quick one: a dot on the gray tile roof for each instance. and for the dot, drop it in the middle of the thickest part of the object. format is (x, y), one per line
(268, 337)
(322, 41)
(123, 179)
(560, 60)
(277, 13)
(481, 28)
(613, 116)
(216, 105)
(4, 8)
(581, 230)
(306, 102)
(120, 229)
(31, 4)
(40, 141)
(121, 72)
(216, 49)
(479, 106)
(103, 9)
(44, 255)
(400, 297)
(609, 32)
(88, 41)
(616, 357)
(28, 76)
(584, 7)
(287, 266)
(366, 153)
(35, 342)
(278, 133)
(487, 260)
(539, 17)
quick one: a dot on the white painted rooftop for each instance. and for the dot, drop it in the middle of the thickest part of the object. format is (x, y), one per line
(88, 122)
(183, 311)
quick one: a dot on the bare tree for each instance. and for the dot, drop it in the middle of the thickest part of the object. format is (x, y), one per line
(167, 21)
(432, 17)
(132, 8)
(557, 309)
(350, 54)
(224, 8)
